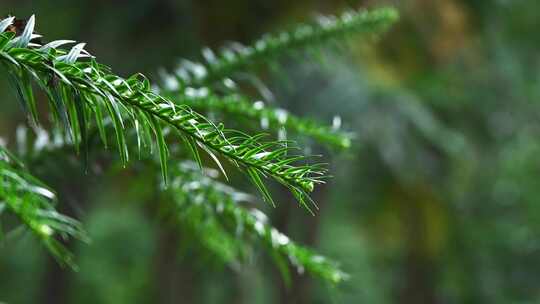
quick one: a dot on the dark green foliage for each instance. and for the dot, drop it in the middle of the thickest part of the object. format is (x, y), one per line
(86, 97)
(33, 203)
(226, 221)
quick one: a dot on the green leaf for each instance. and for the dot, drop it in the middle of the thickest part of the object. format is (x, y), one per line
(257, 181)
(162, 148)
(83, 126)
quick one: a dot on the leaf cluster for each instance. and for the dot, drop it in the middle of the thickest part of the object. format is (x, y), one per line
(33, 203)
(87, 97)
(225, 221)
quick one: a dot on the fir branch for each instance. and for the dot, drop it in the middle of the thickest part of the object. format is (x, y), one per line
(241, 58)
(78, 89)
(218, 217)
(33, 204)
(275, 119)
(217, 213)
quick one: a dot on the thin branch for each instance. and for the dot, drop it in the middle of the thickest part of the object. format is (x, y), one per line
(239, 58)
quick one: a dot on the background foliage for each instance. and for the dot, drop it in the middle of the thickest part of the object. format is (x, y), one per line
(436, 202)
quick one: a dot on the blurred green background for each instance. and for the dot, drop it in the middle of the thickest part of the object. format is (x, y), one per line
(437, 202)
